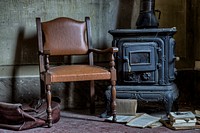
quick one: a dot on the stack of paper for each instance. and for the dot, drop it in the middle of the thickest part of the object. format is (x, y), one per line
(181, 119)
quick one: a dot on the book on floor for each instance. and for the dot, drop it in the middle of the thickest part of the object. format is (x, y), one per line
(141, 120)
(126, 106)
(186, 118)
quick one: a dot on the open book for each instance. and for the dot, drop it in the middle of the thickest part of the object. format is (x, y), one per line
(140, 120)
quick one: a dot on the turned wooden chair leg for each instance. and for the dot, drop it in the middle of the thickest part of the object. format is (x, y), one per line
(49, 109)
(113, 105)
(113, 87)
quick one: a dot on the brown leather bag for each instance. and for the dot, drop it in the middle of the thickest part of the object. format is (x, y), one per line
(27, 116)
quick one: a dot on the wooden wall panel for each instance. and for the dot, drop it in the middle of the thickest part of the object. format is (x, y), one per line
(196, 19)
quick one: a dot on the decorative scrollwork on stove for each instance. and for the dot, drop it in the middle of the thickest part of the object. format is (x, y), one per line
(146, 76)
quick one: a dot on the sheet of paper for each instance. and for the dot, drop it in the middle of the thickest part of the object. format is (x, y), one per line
(122, 118)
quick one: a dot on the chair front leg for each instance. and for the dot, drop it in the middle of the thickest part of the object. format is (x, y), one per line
(113, 105)
(49, 109)
(113, 88)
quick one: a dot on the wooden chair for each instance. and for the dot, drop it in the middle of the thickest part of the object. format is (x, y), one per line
(66, 36)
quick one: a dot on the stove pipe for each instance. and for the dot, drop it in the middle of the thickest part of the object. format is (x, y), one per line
(147, 18)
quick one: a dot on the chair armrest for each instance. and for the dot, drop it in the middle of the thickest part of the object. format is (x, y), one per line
(108, 50)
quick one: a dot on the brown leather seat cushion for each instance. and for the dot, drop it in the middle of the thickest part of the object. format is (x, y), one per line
(78, 73)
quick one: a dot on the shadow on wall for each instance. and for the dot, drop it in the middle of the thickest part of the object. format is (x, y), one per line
(25, 55)
(124, 14)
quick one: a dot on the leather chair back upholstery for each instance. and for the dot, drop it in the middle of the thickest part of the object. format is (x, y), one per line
(72, 41)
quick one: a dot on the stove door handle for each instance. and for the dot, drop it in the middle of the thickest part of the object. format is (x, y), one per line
(128, 63)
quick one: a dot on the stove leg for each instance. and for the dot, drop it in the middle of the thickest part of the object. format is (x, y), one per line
(170, 101)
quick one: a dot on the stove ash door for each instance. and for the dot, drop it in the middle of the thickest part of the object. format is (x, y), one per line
(140, 62)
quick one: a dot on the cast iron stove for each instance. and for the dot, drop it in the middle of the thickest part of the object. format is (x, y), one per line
(145, 62)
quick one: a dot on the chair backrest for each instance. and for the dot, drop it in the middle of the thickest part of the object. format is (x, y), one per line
(65, 36)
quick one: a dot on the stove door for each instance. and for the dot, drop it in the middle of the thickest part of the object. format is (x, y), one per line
(140, 59)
